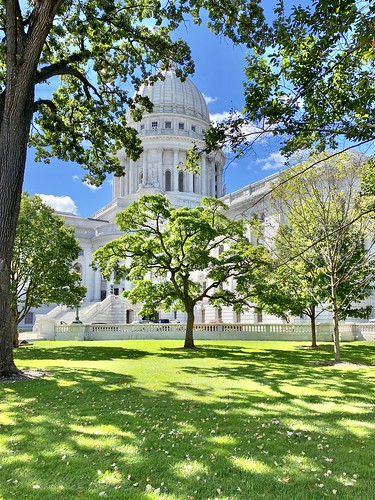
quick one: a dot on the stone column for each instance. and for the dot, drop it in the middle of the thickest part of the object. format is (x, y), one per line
(97, 285)
(122, 185)
(127, 178)
(189, 182)
(175, 170)
(145, 167)
(203, 176)
(132, 176)
(219, 180)
(159, 175)
(213, 179)
(115, 187)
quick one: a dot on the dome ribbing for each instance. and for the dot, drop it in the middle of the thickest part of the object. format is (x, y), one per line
(172, 95)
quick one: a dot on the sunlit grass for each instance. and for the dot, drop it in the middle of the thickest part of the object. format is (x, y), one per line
(146, 419)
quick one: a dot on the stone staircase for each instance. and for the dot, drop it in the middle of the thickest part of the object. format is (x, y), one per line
(112, 310)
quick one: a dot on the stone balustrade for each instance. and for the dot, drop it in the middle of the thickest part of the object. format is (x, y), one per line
(259, 331)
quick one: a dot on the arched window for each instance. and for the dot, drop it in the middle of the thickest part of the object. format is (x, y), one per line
(168, 181)
(181, 181)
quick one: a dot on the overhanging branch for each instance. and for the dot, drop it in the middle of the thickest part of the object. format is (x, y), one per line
(63, 69)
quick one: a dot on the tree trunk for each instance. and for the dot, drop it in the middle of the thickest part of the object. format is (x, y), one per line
(16, 111)
(189, 339)
(336, 332)
(15, 332)
(313, 327)
(13, 144)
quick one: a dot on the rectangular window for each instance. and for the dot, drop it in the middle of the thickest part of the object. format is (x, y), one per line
(193, 128)
(142, 126)
(168, 124)
(29, 318)
(154, 125)
(258, 315)
(181, 126)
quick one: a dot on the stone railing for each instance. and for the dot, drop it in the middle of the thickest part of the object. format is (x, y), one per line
(259, 331)
(89, 314)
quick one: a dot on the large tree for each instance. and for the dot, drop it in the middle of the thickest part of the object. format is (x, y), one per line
(165, 251)
(42, 269)
(312, 82)
(95, 52)
(327, 232)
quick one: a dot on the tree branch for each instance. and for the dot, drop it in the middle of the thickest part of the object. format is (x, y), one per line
(63, 69)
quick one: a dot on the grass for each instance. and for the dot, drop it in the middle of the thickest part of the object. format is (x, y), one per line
(145, 419)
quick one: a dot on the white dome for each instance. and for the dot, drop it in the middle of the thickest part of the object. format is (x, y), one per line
(172, 95)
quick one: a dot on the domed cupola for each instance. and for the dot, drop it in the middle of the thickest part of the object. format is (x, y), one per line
(172, 95)
(177, 122)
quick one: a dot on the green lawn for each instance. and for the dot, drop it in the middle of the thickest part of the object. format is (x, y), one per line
(146, 419)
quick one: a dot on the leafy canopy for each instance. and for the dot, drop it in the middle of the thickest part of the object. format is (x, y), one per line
(312, 81)
(96, 54)
(167, 252)
(45, 250)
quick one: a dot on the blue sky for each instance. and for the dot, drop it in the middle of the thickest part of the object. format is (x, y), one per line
(219, 75)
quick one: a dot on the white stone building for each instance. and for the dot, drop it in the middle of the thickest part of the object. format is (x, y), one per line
(178, 121)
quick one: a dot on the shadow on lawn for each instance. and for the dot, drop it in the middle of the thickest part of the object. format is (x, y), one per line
(295, 356)
(84, 352)
(66, 441)
(88, 431)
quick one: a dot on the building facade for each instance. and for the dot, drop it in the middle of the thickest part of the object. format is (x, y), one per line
(178, 121)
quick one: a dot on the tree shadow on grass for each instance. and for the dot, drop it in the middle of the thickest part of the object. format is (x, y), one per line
(358, 352)
(83, 432)
(247, 352)
(84, 352)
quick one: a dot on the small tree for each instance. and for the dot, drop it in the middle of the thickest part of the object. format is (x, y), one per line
(42, 269)
(329, 234)
(285, 290)
(165, 251)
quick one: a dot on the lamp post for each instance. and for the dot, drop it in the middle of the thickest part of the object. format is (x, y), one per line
(77, 321)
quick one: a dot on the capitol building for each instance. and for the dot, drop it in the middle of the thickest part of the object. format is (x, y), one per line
(178, 121)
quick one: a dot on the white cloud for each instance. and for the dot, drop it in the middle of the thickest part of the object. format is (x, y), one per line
(86, 183)
(275, 161)
(248, 129)
(91, 186)
(60, 203)
(209, 99)
(219, 117)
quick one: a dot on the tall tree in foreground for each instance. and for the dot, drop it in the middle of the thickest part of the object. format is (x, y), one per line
(328, 231)
(95, 52)
(165, 250)
(42, 269)
(312, 83)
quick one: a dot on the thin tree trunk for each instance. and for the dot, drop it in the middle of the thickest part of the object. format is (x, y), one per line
(15, 332)
(189, 339)
(335, 321)
(313, 327)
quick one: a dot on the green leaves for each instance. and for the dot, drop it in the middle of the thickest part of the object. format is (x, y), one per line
(311, 81)
(42, 269)
(167, 251)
